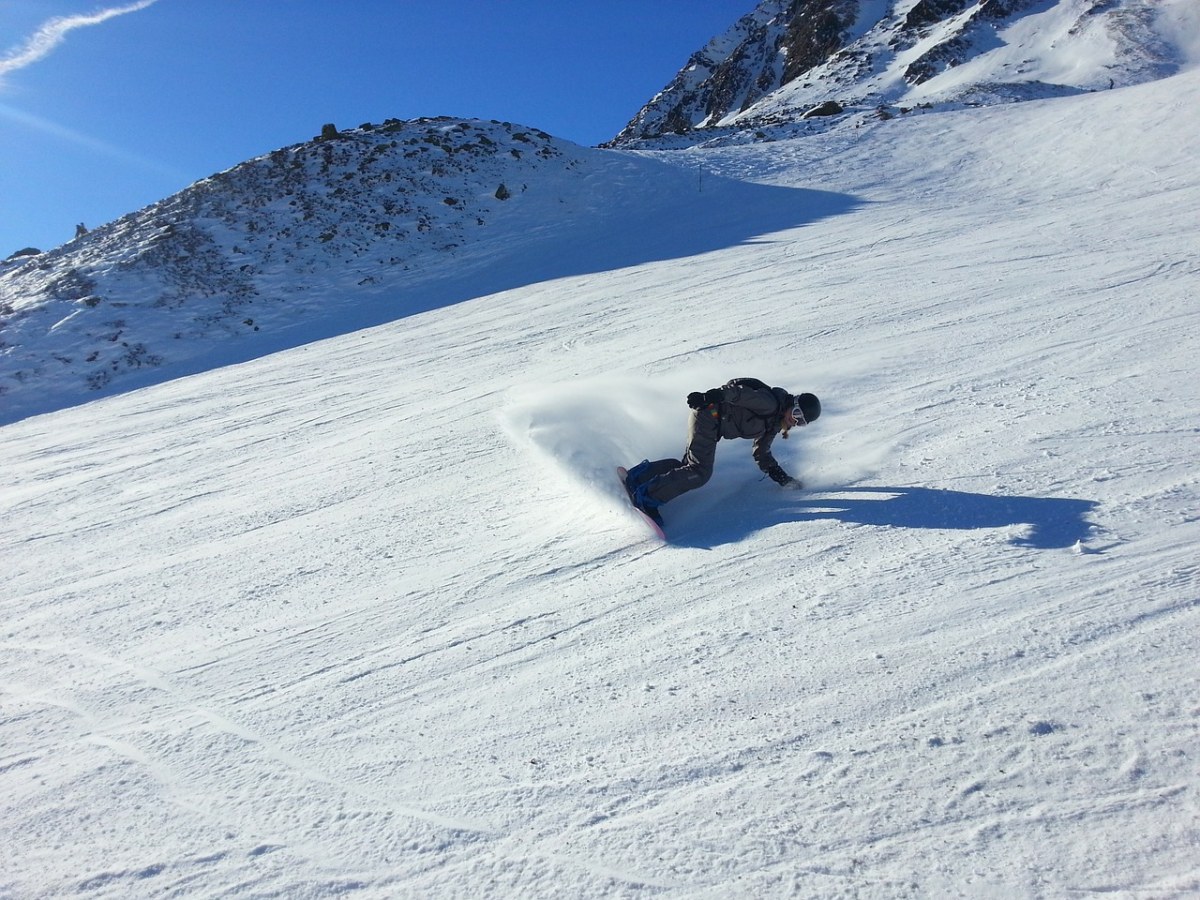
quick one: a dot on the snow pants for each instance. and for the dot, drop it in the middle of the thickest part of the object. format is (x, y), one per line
(666, 479)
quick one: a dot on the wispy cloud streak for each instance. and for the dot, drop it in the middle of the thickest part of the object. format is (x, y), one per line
(54, 32)
(36, 123)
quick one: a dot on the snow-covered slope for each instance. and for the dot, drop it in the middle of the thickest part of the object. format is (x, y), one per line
(790, 58)
(357, 228)
(367, 616)
(331, 236)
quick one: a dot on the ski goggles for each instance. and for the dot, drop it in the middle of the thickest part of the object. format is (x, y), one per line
(798, 415)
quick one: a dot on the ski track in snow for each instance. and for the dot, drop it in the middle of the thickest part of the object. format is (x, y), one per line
(369, 616)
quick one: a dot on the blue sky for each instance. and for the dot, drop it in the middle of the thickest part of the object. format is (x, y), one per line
(108, 106)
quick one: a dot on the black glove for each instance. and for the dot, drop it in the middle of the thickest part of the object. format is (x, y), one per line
(782, 478)
(696, 400)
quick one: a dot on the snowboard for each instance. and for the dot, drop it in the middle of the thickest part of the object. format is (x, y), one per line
(652, 519)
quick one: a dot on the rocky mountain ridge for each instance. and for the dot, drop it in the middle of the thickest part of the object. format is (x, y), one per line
(348, 230)
(346, 214)
(788, 60)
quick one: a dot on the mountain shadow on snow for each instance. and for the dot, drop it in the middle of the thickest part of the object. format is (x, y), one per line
(354, 229)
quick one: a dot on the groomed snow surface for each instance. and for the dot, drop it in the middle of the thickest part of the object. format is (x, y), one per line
(368, 616)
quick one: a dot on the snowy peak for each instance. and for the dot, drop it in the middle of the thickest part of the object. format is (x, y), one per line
(347, 231)
(732, 71)
(301, 235)
(791, 59)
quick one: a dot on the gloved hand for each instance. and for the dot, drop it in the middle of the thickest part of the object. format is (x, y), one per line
(783, 479)
(696, 400)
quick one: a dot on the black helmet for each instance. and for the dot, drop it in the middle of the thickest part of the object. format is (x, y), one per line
(806, 408)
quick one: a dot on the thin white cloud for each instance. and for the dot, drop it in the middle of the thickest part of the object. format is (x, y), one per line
(36, 123)
(54, 31)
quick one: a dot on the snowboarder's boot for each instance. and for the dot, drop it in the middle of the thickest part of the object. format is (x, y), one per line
(643, 501)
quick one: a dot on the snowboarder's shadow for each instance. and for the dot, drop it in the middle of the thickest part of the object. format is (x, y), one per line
(1050, 521)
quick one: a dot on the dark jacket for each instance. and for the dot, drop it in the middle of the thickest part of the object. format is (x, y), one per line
(754, 411)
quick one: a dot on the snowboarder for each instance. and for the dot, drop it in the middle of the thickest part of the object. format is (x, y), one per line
(743, 408)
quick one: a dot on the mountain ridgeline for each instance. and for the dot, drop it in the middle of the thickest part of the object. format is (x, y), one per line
(347, 215)
(788, 60)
